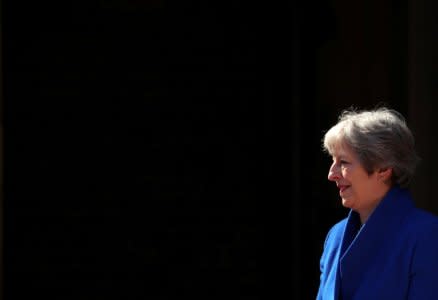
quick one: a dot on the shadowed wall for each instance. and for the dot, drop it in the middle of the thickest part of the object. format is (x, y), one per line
(166, 150)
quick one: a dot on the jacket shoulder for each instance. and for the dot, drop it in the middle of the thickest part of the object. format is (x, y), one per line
(421, 219)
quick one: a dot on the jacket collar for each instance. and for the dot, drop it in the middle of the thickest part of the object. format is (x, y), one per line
(359, 250)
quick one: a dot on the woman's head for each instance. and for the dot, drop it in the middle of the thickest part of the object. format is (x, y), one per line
(379, 138)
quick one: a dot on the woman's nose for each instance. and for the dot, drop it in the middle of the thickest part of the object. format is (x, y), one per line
(334, 173)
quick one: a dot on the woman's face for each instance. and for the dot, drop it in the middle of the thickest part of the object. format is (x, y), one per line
(359, 190)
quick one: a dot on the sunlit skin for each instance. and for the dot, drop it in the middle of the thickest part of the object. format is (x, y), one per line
(359, 190)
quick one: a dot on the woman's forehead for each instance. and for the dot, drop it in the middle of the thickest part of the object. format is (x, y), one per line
(341, 149)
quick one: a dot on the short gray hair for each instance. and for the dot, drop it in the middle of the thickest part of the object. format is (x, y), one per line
(380, 138)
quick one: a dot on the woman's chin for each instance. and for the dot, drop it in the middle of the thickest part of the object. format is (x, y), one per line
(347, 202)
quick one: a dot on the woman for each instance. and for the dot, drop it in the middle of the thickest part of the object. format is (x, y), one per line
(386, 248)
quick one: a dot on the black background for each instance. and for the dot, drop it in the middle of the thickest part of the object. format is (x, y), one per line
(158, 150)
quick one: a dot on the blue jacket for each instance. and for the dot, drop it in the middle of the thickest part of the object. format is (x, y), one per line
(394, 255)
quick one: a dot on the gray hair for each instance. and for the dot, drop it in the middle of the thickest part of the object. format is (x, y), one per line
(380, 138)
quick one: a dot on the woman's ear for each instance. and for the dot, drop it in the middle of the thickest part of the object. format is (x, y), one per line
(385, 174)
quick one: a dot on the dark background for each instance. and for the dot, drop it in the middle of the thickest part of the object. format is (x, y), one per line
(158, 150)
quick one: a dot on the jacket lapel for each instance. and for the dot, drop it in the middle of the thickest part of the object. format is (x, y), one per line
(358, 251)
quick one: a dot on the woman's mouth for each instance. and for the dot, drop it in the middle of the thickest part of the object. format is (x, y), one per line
(342, 188)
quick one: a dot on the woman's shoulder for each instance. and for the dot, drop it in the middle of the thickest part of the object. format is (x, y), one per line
(420, 218)
(423, 233)
(421, 225)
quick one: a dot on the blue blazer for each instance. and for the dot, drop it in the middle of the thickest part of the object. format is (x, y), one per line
(394, 255)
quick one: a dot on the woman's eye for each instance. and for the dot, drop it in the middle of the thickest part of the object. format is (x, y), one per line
(343, 162)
